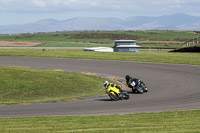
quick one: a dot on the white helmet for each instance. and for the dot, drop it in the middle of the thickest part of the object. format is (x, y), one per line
(106, 83)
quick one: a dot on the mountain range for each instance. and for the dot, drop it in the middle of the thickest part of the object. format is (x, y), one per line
(165, 22)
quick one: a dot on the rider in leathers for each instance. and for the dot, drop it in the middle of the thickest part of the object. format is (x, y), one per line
(130, 80)
(107, 84)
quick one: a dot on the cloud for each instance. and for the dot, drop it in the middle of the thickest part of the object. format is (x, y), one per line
(56, 1)
(129, 6)
(93, 3)
(39, 3)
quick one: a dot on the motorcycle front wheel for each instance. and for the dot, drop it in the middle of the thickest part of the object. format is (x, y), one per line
(114, 96)
(145, 89)
(140, 90)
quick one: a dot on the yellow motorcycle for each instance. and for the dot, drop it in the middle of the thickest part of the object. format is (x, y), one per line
(115, 94)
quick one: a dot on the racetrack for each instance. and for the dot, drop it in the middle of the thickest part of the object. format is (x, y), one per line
(171, 87)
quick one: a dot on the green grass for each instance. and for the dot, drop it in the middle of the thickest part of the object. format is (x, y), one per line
(68, 44)
(153, 45)
(165, 35)
(167, 122)
(64, 44)
(49, 37)
(23, 85)
(158, 56)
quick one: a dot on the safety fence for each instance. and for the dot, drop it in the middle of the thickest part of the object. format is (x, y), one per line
(192, 42)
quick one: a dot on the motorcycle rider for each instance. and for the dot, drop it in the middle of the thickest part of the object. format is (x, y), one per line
(107, 84)
(133, 81)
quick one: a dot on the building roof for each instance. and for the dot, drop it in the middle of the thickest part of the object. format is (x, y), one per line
(99, 49)
(128, 46)
(125, 41)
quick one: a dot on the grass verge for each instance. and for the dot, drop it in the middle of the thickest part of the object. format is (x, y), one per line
(166, 122)
(64, 44)
(156, 56)
(24, 85)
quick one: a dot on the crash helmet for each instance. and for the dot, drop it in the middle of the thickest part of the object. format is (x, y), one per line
(106, 83)
(127, 77)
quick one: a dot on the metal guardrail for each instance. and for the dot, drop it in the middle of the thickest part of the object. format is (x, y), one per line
(192, 42)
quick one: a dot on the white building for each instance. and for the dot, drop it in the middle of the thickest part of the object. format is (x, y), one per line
(126, 46)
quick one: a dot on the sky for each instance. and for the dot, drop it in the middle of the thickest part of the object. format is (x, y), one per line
(27, 11)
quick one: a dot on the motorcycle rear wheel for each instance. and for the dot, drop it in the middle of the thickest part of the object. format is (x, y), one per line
(126, 97)
(133, 89)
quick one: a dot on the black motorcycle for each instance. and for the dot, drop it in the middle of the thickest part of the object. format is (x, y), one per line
(138, 86)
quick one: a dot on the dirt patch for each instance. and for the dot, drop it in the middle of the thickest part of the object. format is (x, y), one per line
(18, 44)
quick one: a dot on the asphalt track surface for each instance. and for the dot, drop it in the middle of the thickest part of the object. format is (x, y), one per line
(171, 87)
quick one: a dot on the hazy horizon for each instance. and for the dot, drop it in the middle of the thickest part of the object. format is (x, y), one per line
(28, 11)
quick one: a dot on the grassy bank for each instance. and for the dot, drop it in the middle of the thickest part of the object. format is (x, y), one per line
(103, 36)
(194, 49)
(158, 56)
(168, 122)
(23, 85)
(64, 44)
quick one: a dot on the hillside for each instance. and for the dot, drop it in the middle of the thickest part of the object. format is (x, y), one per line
(166, 22)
